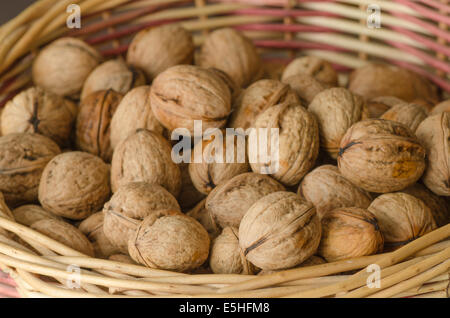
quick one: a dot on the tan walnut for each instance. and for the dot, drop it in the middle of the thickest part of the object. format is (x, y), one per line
(145, 156)
(348, 233)
(185, 93)
(377, 106)
(155, 50)
(381, 156)
(94, 122)
(229, 201)
(23, 158)
(202, 215)
(35, 110)
(62, 66)
(408, 114)
(230, 51)
(30, 213)
(279, 231)
(74, 185)
(306, 87)
(298, 143)
(172, 242)
(129, 205)
(327, 190)
(336, 109)
(402, 218)
(434, 134)
(441, 107)
(115, 75)
(313, 66)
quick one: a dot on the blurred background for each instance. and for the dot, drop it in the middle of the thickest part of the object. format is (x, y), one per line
(10, 8)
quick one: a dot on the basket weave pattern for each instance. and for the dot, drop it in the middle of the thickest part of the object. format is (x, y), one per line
(413, 35)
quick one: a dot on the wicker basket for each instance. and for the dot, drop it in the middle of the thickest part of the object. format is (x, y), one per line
(414, 35)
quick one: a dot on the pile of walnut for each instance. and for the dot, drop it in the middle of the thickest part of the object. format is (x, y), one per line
(85, 156)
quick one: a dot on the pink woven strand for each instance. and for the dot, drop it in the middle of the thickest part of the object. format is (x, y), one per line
(283, 44)
(5, 279)
(8, 292)
(283, 13)
(283, 28)
(438, 5)
(425, 12)
(429, 27)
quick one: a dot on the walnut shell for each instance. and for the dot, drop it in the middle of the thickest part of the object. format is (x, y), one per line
(185, 93)
(408, 114)
(92, 227)
(226, 256)
(441, 107)
(381, 156)
(207, 175)
(437, 205)
(230, 51)
(145, 156)
(377, 106)
(279, 231)
(336, 109)
(434, 134)
(173, 242)
(35, 110)
(306, 87)
(229, 201)
(327, 190)
(74, 185)
(64, 233)
(204, 217)
(373, 80)
(23, 157)
(129, 206)
(62, 66)
(115, 75)
(156, 49)
(402, 218)
(189, 196)
(298, 145)
(258, 97)
(133, 112)
(30, 213)
(313, 66)
(348, 233)
(94, 122)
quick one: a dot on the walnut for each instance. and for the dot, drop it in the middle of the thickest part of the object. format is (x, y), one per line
(412, 218)
(377, 106)
(381, 156)
(207, 175)
(298, 142)
(441, 107)
(30, 213)
(145, 156)
(229, 201)
(235, 90)
(434, 134)
(23, 157)
(226, 256)
(258, 97)
(173, 242)
(279, 231)
(185, 93)
(327, 190)
(374, 80)
(129, 206)
(133, 112)
(230, 51)
(94, 121)
(306, 87)
(336, 109)
(348, 233)
(92, 227)
(155, 50)
(189, 196)
(62, 66)
(74, 185)
(202, 215)
(64, 233)
(35, 110)
(115, 75)
(313, 66)
(437, 205)
(408, 114)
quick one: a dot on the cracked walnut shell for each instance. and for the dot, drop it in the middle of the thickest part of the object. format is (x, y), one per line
(381, 156)
(74, 185)
(23, 158)
(279, 231)
(313, 66)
